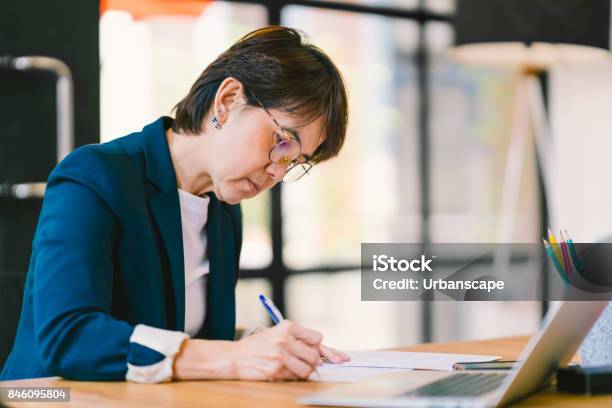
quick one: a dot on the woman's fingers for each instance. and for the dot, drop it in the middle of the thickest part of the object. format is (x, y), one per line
(333, 355)
(342, 354)
(309, 354)
(308, 336)
(286, 375)
(297, 366)
(301, 349)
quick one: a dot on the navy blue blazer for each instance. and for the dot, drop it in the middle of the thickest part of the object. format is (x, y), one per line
(108, 255)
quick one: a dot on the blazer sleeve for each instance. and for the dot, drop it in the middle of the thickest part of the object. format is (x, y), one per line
(75, 335)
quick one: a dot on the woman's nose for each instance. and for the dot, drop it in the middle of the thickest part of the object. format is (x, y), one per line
(276, 171)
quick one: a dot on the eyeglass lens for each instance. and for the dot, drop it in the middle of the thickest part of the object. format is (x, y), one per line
(285, 151)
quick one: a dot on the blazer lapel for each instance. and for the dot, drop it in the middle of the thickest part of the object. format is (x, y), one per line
(166, 210)
(221, 306)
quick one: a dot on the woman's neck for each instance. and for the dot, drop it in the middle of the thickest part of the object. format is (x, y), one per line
(189, 163)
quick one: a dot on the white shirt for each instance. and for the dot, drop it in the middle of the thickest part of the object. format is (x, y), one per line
(194, 214)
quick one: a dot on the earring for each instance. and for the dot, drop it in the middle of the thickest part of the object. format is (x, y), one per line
(216, 122)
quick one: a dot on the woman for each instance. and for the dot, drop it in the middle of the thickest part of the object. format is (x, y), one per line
(135, 256)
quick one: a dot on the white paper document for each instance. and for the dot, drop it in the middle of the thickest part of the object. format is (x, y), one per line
(338, 373)
(365, 364)
(408, 359)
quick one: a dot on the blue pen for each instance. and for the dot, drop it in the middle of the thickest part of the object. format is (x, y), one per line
(272, 310)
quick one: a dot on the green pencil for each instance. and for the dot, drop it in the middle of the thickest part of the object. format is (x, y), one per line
(553, 257)
(573, 252)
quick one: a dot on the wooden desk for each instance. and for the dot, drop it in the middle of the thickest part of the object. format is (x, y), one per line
(261, 394)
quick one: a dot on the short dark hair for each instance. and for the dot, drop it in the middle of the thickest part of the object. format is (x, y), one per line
(284, 72)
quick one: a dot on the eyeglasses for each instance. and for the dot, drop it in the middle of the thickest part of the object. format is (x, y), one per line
(286, 151)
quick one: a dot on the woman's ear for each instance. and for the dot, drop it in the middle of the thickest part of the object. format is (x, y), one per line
(230, 96)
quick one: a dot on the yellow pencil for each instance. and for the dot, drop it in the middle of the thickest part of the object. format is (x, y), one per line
(554, 244)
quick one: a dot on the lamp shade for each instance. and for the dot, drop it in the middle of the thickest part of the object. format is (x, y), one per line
(532, 33)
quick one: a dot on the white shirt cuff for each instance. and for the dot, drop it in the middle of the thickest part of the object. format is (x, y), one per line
(166, 342)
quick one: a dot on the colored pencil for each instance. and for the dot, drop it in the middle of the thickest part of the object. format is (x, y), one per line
(555, 260)
(566, 257)
(572, 248)
(554, 245)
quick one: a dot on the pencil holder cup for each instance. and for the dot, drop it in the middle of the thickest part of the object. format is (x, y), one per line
(596, 349)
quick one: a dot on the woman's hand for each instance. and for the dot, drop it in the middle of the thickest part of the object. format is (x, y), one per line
(333, 355)
(286, 351)
(327, 353)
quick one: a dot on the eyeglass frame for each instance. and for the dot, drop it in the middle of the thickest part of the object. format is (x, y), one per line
(283, 131)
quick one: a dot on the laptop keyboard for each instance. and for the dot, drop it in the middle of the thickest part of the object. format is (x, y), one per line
(459, 385)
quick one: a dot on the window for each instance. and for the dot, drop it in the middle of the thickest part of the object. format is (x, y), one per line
(427, 138)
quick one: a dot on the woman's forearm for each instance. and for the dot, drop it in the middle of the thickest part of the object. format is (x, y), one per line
(205, 359)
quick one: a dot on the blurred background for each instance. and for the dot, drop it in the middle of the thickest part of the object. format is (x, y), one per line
(424, 160)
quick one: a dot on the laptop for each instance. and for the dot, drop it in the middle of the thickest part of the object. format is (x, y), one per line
(553, 346)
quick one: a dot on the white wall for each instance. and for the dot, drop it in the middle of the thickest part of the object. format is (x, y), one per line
(581, 122)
